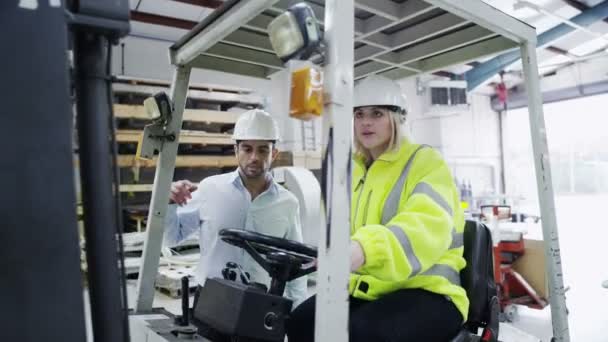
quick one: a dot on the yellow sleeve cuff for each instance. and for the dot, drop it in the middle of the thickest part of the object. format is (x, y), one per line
(373, 241)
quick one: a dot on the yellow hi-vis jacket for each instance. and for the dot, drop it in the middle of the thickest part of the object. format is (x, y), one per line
(406, 215)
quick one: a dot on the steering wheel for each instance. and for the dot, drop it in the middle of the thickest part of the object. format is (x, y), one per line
(283, 259)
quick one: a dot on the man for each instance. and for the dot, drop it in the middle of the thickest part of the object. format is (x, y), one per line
(247, 198)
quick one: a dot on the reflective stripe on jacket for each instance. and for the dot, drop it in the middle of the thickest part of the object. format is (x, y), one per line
(407, 217)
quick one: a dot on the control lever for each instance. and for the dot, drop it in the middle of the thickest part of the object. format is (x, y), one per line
(245, 278)
(184, 319)
(229, 273)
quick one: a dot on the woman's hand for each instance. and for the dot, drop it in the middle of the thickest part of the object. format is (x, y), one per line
(357, 257)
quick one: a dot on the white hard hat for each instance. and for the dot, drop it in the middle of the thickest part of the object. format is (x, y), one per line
(378, 90)
(256, 124)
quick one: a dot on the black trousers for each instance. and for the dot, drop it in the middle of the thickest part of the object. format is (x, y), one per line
(405, 315)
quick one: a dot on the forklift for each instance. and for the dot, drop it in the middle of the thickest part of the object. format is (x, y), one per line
(48, 223)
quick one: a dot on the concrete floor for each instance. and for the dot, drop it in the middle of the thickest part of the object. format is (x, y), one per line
(583, 233)
(508, 332)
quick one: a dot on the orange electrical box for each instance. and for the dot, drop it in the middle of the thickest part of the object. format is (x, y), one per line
(306, 93)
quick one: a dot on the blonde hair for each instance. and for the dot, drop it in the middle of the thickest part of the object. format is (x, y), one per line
(393, 144)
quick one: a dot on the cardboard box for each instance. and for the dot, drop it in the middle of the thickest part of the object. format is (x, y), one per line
(532, 267)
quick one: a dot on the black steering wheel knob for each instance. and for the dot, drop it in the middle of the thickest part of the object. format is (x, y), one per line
(229, 274)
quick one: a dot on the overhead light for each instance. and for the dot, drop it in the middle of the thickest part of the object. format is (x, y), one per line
(158, 107)
(295, 33)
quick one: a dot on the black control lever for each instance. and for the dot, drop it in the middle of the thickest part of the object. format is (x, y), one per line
(230, 273)
(184, 319)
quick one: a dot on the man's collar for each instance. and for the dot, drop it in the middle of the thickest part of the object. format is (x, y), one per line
(236, 179)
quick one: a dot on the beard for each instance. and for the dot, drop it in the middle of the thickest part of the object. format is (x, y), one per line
(253, 170)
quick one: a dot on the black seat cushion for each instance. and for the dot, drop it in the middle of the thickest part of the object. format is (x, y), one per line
(478, 276)
(463, 336)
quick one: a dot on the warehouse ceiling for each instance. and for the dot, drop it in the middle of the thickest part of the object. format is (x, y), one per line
(397, 38)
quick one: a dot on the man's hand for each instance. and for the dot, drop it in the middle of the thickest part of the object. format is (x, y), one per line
(181, 192)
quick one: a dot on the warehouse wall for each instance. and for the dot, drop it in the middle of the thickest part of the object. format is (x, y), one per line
(148, 58)
(468, 139)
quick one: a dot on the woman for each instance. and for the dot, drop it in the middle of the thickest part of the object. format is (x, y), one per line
(406, 232)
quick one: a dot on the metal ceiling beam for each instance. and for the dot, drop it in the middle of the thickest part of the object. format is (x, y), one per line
(489, 17)
(379, 40)
(367, 52)
(283, 5)
(409, 9)
(397, 74)
(259, 23)
(414, 34)
(459, 56)
(228, 66)
(580, 6)
(465, 54)
(485, 71)
(379, 44)
(250, 40)
(239, 38)
(383, 8)
(447, 74)
(430, 48)
(397, 65)
(211, 32)
(244, 55)
(427, 29)
(557, 50)
(370, 68)
(368, 31)
(156, 19)
(213, 4)
(386, 9)
(364, 28)
(443, 44)
(560, 51)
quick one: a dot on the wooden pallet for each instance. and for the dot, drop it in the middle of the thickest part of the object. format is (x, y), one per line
(181, 161)
(125, 111)
(193, 94)
(185, 137)
(175, 293)
(202, 161)
(169, 280)
(194, 86)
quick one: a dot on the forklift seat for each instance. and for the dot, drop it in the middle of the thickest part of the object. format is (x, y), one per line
(477, 278)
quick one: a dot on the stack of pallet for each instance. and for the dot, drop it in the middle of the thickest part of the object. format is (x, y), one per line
(205, 149)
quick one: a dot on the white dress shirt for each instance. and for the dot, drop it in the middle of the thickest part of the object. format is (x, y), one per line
(222, 201)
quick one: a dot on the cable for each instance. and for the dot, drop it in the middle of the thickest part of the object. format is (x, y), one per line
(327, 184)
(117, 201)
